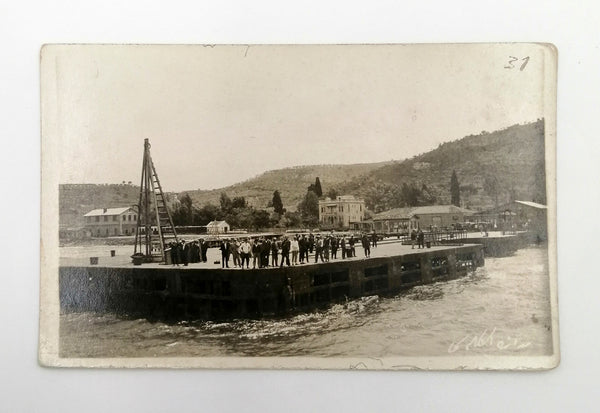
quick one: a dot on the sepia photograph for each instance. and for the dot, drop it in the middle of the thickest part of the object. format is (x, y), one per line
(376, 206)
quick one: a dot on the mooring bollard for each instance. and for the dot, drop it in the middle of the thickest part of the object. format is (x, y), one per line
(112, 253)
(93, 260)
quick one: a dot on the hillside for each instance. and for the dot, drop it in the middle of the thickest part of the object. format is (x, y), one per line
(491, 167)
(75, 200)
(290, 182)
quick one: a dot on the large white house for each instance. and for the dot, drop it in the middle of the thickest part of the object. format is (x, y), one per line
(341, 212)
(105, 222)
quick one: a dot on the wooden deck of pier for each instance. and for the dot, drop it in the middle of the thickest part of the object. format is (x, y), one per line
(384, 249)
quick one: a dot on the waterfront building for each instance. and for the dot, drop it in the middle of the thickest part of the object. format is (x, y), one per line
(105, 222)
(516, 215)
(341, 212)
(395, 221)
(404, 220)
(438, 216)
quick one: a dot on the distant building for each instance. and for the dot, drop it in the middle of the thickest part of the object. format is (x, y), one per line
(520, 215)
(438, 216)
(341, 212)
(217, 227)
(105, 222)
(395, 220)
(404, 220)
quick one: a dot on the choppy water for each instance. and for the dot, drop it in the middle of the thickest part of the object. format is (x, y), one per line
(502, 308)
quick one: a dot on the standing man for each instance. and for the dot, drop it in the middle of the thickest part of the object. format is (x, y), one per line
(265, 249)
(303, 247)
(311, 243)
(274, 253)
(187, 253)
(203, 249)
(235, 252)
(318, 249)
(413, 238)
(255, 253)
(366, 245)
(245, 250)
(224, 254)
(374, 239)
(326, 245)
(335, 242)
(285, 251)
(174, 259)
(294, 248)
(421, 239)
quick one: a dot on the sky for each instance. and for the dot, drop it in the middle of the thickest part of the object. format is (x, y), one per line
(217, 115)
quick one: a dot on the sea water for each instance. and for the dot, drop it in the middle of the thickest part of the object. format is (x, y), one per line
(501, 308)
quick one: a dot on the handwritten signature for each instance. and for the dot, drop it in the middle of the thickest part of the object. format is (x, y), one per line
(487, 340)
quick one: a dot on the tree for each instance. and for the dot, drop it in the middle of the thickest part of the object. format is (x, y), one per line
(332, 193)
(207, 213)
(277, 204)
(454, 189)
(318, 189)
(238, 202)
(261, 219)
(309, 208)
(225, 202)
(184, 213)
(292, 219)
(410, 195)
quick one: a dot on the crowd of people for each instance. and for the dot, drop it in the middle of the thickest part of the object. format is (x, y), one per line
(275, 251)
(183, 252)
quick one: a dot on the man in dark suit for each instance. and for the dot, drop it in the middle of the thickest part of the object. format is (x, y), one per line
(285, 251)
(224, 254)
(203, 249)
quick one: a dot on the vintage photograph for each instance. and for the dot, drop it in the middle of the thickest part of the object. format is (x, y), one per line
(299, 206)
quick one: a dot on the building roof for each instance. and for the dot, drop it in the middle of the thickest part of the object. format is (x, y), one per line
(532, 204)
(396, 213)
(340, 198)
(440, 209)
(106, 212)
(511, 205)
(216, 224)
(408, 212)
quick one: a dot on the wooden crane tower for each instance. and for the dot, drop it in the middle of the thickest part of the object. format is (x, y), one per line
(154, 226)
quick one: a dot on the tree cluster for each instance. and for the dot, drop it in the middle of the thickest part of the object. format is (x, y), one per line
(383, 196)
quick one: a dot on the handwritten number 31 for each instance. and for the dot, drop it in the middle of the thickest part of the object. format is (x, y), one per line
(512, 60)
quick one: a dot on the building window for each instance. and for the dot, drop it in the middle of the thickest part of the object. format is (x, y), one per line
(115, 218)
(106, 219)
(98, 220)
(106, 230)
(116, 231)
(124, 217)
(129, 217)
(134, 217)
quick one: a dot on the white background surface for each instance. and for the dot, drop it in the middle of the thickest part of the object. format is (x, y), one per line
(572, 27)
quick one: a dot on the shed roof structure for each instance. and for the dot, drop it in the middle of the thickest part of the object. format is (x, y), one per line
(106, 212)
